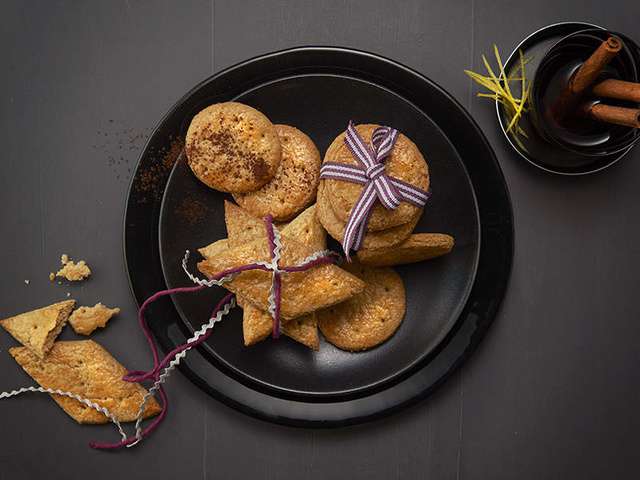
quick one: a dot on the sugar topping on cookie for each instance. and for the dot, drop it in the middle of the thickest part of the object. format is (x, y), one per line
(232, 147)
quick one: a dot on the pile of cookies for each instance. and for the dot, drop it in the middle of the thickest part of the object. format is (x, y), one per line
(275, 169)
(385, 228)
(269, 169)
(82, 366)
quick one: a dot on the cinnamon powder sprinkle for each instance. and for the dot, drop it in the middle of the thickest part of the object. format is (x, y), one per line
(151, 180)
(191, 211)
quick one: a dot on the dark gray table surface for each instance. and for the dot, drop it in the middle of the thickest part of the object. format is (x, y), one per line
(552, 392)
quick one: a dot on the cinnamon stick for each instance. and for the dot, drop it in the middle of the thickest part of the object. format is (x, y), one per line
(582, 80)
(629, 117)
(592, 67)
(619, 89)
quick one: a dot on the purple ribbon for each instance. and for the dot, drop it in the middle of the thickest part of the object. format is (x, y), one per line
(370, 172)
(318, 258)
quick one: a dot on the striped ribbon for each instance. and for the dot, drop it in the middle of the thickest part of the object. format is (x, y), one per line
(370, 172)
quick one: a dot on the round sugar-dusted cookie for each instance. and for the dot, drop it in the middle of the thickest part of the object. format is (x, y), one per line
(380, 239)
(232, 147)
(405, 163)
(370, 317)
(295, 182)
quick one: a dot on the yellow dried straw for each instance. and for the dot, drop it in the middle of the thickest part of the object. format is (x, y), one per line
(501, 92)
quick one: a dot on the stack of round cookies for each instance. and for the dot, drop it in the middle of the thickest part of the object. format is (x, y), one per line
(269, 169)
(336, 198)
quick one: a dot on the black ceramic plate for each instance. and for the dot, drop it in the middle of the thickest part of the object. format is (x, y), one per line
(539, 152)
(450, 301)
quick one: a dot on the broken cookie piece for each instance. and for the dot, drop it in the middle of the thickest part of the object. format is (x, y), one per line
(417, 248)
(72, 271)
(85, 320)
(38, 329)
(88, 370)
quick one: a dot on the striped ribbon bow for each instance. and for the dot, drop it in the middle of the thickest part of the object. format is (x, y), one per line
(370, 172)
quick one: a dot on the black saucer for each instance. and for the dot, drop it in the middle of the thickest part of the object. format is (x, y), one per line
(538, 151)
(450, 301)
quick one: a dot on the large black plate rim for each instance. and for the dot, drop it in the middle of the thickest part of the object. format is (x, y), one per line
(528, 40)
(486, 295)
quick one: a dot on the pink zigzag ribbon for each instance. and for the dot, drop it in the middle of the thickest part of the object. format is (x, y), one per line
(370, 172)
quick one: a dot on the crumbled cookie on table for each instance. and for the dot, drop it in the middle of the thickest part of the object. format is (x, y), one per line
(85, 320)
(72, 271)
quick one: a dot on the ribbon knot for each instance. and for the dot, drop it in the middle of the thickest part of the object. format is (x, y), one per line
(374, 171)
(370, 172)
(320, 257)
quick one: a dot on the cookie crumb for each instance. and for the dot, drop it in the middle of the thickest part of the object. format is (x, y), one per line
(72, 271)
(68, 294)
(85, 320)
(52, 276)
